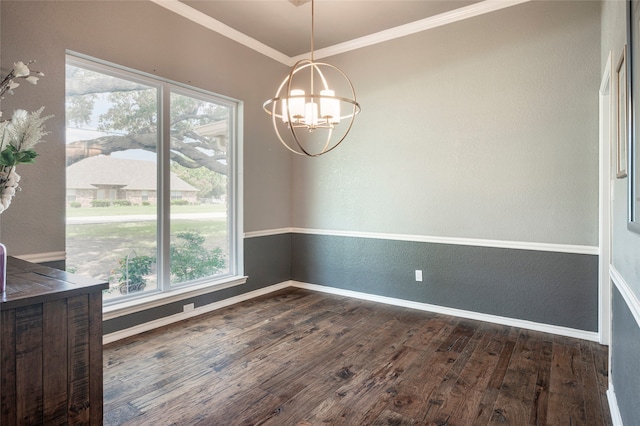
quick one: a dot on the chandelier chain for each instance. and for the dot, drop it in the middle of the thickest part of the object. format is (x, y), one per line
(312, 40)
(312, 27)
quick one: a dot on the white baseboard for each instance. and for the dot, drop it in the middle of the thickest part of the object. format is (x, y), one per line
(145, 302)
(512, 322)
(147, 326)
(529, 325)
(616, 418)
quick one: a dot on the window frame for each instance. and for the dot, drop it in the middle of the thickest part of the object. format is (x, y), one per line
(165, 292)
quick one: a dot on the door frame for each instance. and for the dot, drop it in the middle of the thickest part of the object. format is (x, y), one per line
(606, 112)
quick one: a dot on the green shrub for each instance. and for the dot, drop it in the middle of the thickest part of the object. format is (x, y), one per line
(190, 260)
(121, 202)
(100, 203)
(75, 204)
(146, 203)
(180, 202)
(132, 272)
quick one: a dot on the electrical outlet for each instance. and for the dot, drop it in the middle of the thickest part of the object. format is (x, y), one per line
(188, 308)
(418, 274)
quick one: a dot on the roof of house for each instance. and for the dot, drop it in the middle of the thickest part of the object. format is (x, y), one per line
(102, 170)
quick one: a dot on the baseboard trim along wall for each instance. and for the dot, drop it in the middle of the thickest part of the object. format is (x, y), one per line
(160, 299)
(616, 417)
(147, 326)
(624, 370)
(511, 322)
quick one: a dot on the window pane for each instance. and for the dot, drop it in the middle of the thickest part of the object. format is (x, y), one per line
(111, 180)
(199, 194)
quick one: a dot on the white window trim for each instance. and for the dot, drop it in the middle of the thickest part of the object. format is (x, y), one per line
(165, 293)
(132, 306)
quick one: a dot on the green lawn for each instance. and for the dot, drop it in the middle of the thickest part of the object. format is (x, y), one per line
(142, 230)
(132, 210)
(94, 249)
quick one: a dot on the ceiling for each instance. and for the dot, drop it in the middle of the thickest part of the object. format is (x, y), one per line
(287, 28)
(281, 29)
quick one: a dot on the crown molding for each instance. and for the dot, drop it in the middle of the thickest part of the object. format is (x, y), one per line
(476, 9)
(207, 21)
(429, 23)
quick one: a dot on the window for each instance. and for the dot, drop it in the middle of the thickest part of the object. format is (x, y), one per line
(152, 174)
(71, 196)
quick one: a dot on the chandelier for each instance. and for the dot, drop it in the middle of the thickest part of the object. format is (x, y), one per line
(310, 117)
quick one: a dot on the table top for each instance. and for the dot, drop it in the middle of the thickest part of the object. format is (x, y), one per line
(29, 283)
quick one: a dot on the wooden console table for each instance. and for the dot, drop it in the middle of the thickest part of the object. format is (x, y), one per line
(50, 346)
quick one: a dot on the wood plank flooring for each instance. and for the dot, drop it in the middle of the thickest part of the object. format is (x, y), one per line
(302, 358)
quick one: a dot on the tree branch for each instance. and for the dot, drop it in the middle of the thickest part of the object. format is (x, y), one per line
(182, 153)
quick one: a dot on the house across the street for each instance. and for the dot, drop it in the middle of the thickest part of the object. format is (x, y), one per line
(104, 177)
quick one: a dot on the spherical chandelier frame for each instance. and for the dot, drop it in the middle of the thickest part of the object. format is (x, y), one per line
(294, 124)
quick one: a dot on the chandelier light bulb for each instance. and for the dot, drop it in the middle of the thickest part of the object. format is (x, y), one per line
(296, 104)
(329, 106)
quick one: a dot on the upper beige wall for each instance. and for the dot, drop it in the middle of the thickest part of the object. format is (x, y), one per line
(486, 128)
(145, 37)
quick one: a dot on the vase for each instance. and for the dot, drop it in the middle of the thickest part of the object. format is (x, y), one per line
(3, 268)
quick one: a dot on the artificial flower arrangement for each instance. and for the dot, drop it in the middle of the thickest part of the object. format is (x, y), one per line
(18, 135)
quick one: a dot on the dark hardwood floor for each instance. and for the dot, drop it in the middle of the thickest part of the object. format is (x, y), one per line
(298, 357)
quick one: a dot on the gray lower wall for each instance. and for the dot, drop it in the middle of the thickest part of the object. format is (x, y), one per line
(267, 261)
(625, 364)
(559, 289)
(551, 288)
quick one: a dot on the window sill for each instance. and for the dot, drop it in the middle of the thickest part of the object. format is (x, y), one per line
(160, 299)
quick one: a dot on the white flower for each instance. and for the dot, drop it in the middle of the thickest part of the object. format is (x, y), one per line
(13, 179)
(18, 135)
(26, 129)
(8, 188)
(4, 137)
(5, 201)
(19, 114)
(20, 69)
